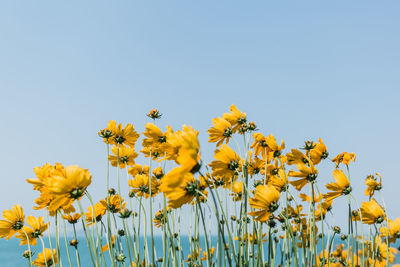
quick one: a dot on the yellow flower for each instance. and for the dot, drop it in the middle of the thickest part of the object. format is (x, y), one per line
(36, 229)
(158, 173)
(227, 163)
(236, 118)
(255, 165)
(13, 221)
(139, 169)
(372, 185)
(72, 219)
(112, 243)
(120, 135)
(181, 188)
(155, 138)
(210, 253)
(237, 190)
(372, 212)
(275, 150)
(265, 202)
(94, 214)
(141, 185)
(154, 114)
(297, 157)
(319, 152)
(221, 131)
(393, 231)
(125, 154)
(260, 145)
(306, 173)
(307, 198)
(115, 203)
(45, 259)
(68, 185)
(345, 158)
(279, 180)
(160, 217)
(341, 187)
(322, 209)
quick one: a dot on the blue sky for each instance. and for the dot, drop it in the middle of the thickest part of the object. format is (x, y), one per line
(301, 70)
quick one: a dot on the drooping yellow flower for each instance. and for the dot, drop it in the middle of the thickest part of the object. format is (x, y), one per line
(123, 156)
(227, 163)
(322, 208)
(115, 203)
(13, 221)
(182, 188)
(96, 213)
(265, 202)
(68, 185)
(372, 185)
(141, 185)
(120, 135)
(221, 131)
(45, 259)
(392, 231)
(72, 219)
(345, 158)
(341, 187)
(236, 118)
(372, 212)
(36, 229)
(306, 173)
(319, 152)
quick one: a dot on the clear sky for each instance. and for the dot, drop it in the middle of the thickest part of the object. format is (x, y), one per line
(300, 69)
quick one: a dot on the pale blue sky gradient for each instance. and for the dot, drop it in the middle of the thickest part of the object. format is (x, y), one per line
(300, 69)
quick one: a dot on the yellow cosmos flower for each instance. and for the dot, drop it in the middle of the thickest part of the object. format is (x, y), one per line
(221, 131)
(319, 152)
(96, 213)
(158, 173)
(372, 185)
(43, 175)
(126, 155)
(236, 118)
(72, 219)
(345, 158)
(255, 165)
(36, 229)
(307, 198)
(372, 212)
(306, 173)
(211, 252)
(322, 209)
(115, 203)
(68, 185)
(119, 135)
(265, 202)
(13, 221)
(182, 187)
(341, 187)
(279, 180)
(392, 231)
(297, 157)
(227, 163)
(160, 218)
(141, 185)
(260, 145)
(154, 136)
(237, 190)
(275, 149)
(383, 254)
(45, 259)
(139, 169)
